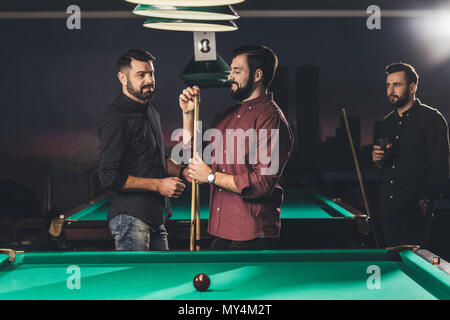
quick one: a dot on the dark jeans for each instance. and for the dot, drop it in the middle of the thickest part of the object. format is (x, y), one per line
(255, 244)
(132, 234)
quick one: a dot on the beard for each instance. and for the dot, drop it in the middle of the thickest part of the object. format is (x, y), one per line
(139, 93)
(244, 92)
(401, 101)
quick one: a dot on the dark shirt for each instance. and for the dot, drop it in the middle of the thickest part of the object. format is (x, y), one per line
(129, 145)
(418, 165)
(255, 211)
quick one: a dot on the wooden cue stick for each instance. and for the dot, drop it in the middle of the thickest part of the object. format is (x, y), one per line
(197, 220)
(192, 226)
(194, 183)
(361, 184)
(197, 191)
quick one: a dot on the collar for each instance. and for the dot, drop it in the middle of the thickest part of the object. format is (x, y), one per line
(263, 98)
(411, 110)
(132, 104)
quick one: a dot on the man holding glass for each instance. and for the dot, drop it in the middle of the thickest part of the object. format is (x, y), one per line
(412, 154)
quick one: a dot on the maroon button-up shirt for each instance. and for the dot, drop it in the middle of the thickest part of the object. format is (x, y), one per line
(257, 163)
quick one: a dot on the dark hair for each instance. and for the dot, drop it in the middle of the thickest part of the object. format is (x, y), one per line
(260, 57)
(124, 60)
(410, 72)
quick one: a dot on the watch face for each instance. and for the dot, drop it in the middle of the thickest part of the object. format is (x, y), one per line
(210, 177)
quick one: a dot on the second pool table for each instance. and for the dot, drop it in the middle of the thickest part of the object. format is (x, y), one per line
(308, 221)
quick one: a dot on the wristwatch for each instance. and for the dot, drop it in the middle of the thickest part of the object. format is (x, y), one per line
(211, 177)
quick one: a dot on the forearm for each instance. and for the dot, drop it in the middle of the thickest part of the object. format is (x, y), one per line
(173, 169)
(141, 184)
(225, 181)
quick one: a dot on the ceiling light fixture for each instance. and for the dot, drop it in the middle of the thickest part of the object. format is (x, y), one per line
(190, 13)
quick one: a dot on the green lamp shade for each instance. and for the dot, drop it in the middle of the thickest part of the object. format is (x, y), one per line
(206, 74)
(190, 25)
(189, 13)
(186, 3)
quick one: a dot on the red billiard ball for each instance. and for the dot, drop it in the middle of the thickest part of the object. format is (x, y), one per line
(201, 282)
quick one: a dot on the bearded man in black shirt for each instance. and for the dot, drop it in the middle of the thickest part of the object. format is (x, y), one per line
(132, 161)
(414, 162)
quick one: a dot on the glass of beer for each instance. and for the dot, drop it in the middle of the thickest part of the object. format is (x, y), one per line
(382, 142)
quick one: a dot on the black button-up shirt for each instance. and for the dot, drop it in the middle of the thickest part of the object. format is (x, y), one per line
(418, 165)
(129, 146)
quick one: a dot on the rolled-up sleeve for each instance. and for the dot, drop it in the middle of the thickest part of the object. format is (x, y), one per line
(112, 137)
(275, 143)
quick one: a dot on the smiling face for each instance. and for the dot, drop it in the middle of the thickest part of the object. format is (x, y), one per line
(139, 80)
(398, 91)
(241, 79)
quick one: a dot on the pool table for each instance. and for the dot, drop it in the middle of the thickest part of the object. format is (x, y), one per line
(309, 221)
(356, 274)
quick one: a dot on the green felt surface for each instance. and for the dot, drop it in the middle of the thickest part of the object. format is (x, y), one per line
(298, 204)
(296, 274)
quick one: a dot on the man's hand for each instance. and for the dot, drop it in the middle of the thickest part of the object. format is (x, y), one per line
(185, 174)
(378, 154)
(198, 169)
(170, 187)
(187, 99)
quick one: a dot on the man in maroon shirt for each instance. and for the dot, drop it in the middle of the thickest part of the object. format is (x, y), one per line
(252, 144)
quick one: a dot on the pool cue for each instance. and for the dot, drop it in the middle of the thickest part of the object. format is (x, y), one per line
(197, 192)
(197, 220)
(194, 195)
(192, 226)
(361, 184)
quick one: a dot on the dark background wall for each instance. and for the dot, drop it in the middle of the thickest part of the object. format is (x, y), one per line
(56, 83)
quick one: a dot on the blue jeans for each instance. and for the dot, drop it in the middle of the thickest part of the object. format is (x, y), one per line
(132, 234)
